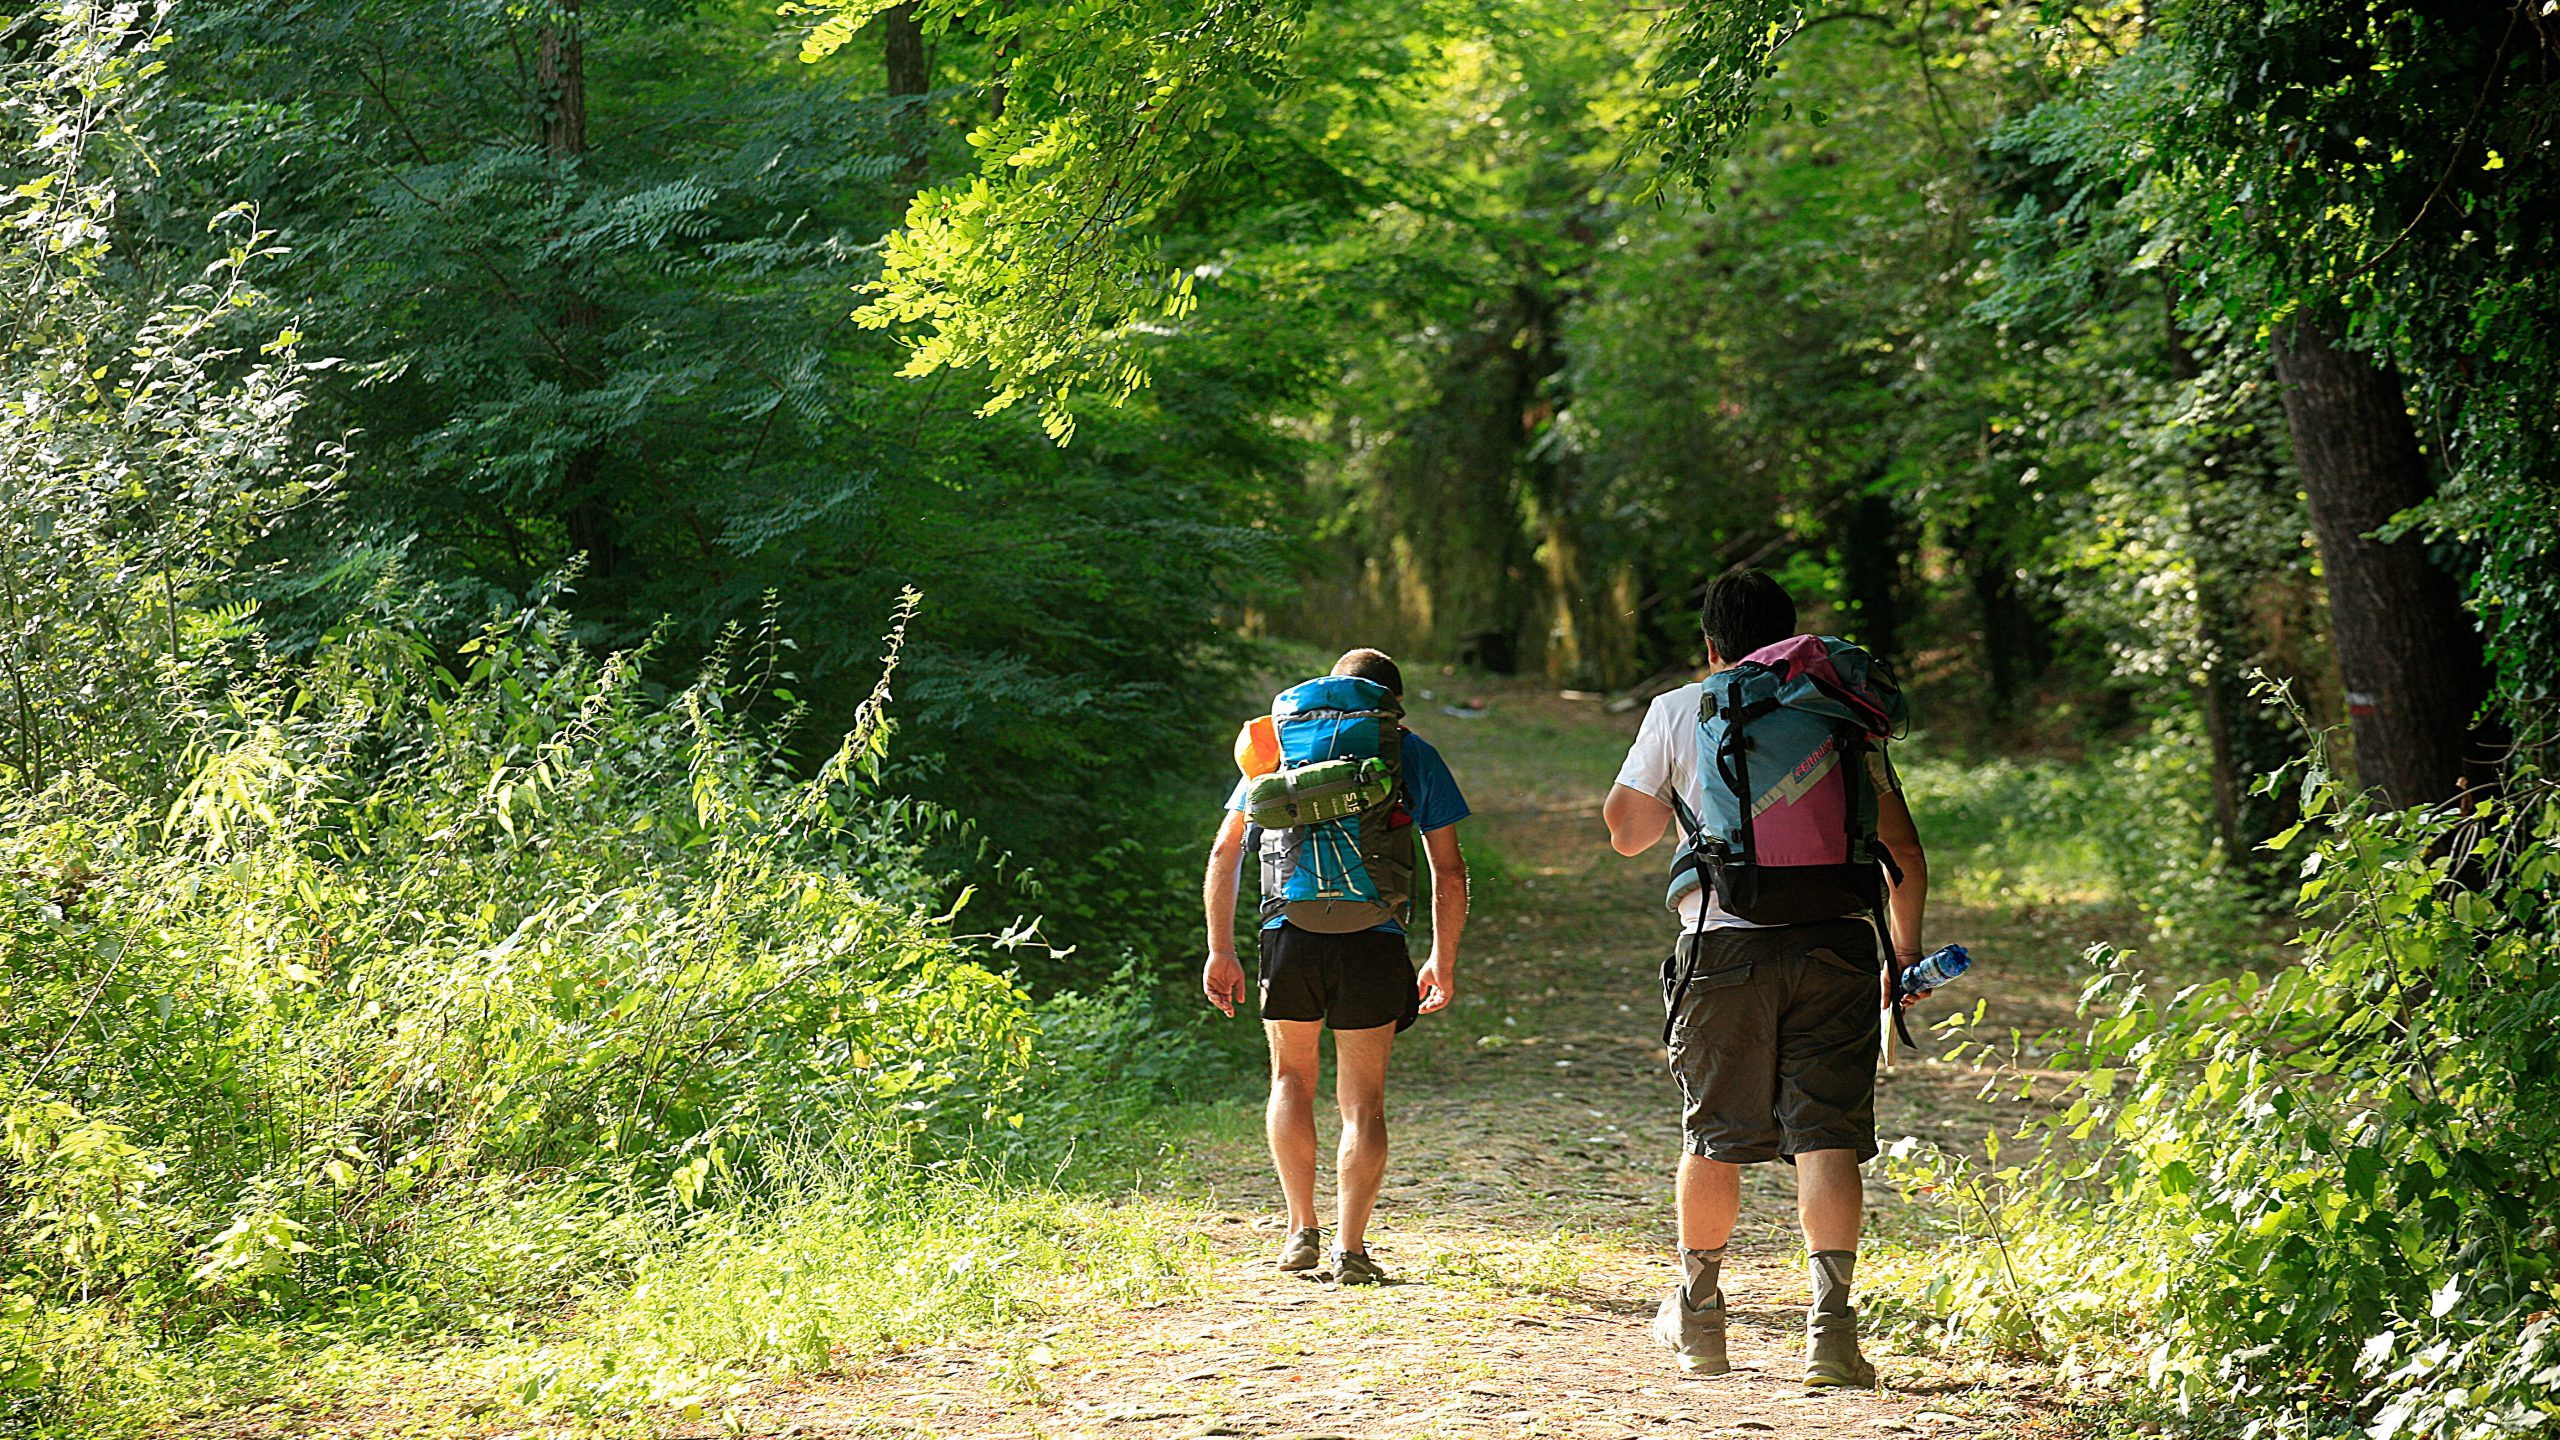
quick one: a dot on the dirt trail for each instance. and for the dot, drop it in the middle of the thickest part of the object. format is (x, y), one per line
(1526, 1213)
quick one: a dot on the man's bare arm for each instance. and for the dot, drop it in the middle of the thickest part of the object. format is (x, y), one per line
(1635, 819)
(1222, 977)
(1910, 900)
(1439, 979)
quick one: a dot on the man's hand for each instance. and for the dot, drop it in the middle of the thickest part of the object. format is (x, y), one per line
(1438, 982)
(1222, 980)
(1894, 972)
(1437, 985)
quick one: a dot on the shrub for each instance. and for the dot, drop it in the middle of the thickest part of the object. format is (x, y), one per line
(2325, 1191)
(2131, 827)
(422, 955)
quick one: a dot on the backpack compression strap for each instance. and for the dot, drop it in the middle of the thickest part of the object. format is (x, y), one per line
(1853, 745)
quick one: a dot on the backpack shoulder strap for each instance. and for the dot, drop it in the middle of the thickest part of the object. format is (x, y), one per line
(1859, 817)
(1733, 766)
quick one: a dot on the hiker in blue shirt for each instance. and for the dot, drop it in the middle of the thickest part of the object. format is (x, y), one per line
(1332, 949)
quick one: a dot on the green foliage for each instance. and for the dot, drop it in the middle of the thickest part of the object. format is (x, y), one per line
(2380, 170)
(2129, 829)
(407, 932)
(380, 971)
(1715, 64)
(1134, 161)
(635, 349)
(1113, 1066)
(1037, 268)
(2323, 1191)
(146, 412)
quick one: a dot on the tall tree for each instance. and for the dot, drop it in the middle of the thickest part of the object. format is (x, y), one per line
(1872, 537)
(903, 62)
(2408, 655)
(589, 265)
(560, 99)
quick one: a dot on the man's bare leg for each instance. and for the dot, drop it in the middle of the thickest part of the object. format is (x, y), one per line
(1289, 1121)
(1830, 1203)
(1710, 1193)
(1360, 1088)
(1831, 1199)
(1691, 1319)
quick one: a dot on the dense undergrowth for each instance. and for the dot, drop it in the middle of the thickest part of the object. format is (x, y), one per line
(452, 1002)
(2126, 827)
(2312, 1197)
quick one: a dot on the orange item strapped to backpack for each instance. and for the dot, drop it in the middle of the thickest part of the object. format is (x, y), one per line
(1257, 747)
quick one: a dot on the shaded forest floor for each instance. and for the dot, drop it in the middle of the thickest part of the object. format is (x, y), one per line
(1526, 1212)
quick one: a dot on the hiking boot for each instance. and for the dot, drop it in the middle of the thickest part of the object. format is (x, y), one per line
(1832, 1361)
(1695, 1333)
(1831, 1356)
(1305, 1251)
(1354, 1267)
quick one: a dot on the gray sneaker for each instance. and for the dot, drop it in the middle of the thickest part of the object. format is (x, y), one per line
(1354, 1267)
(1694, 1333)
(1304, 1251)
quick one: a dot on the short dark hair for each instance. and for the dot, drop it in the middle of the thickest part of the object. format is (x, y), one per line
(1745, 611)
(1374, 666)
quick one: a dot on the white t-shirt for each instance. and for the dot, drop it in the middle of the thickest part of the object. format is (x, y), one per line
(1664, 762)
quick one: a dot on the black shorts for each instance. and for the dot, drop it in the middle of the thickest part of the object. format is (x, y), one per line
(1774, 1041)
(1350, 982)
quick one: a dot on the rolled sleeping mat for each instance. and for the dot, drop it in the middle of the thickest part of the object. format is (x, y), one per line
(1314, 794)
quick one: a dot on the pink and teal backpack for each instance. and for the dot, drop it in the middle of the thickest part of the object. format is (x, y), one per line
(1788, 834)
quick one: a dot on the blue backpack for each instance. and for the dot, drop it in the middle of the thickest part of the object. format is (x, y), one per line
(1337, 876)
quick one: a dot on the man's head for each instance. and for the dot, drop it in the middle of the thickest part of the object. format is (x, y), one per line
(1745, 611)
(1374, 666)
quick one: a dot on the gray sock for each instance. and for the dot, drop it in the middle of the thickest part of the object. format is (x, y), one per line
(1699, 1272)
(1832, 1271)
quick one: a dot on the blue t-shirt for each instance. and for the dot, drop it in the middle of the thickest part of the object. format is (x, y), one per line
(1428, 786)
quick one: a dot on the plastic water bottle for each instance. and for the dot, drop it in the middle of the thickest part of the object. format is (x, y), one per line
(1944, 964)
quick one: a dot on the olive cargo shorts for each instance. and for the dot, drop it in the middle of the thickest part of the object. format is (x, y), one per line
(1774, 1039)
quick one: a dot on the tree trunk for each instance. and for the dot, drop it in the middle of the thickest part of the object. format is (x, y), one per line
(2219, 703)
(561, 74)
(561, 70)
(2220, 691)
(2409, 656)
(902, 56)
(1001, 80)
(2014, 644)
(1871, 545)
(2245, 735)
